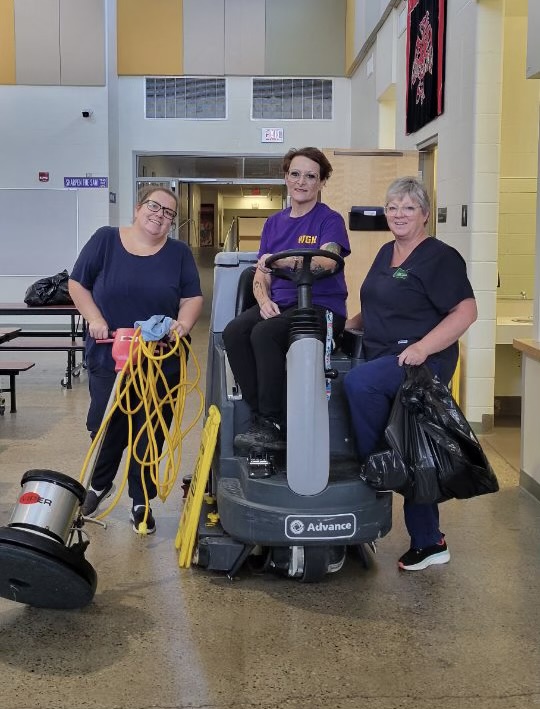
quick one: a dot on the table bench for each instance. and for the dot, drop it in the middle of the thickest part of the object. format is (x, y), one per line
(39, 343)
(11, 369)
(70, 340)
(10, 334)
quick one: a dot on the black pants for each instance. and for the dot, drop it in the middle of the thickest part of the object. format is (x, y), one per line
(101, 383)
(257, 351)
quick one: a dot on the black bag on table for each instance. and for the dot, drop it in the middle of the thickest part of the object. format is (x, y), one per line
(52, 290)
(434, 454)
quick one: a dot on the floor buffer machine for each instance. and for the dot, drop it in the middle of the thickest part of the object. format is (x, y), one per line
(42, 548)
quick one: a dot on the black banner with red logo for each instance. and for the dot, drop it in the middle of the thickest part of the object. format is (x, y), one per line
(426, 38)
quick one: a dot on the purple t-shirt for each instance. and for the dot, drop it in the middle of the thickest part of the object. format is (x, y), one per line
(319, 226)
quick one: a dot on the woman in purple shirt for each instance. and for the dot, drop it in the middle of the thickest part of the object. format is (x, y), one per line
(257, 340)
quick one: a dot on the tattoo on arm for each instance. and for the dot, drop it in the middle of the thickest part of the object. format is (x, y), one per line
(259, 292)
(333, 247)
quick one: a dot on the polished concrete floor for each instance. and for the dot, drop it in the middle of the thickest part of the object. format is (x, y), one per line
(159, 637)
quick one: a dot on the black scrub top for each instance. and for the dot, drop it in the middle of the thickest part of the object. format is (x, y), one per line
(400, 305)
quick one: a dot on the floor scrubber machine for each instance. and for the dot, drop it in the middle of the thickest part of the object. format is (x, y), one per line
(296, 511)
(42, 561)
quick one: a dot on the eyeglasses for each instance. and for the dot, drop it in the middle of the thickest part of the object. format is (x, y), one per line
(392, 210)
(296, 176)
(156, 207)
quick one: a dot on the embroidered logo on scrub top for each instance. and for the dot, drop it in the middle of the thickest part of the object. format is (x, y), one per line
(306, 239)
(400, 273)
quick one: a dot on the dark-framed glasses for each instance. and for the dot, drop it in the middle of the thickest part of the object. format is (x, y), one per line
(154, 206)
(392, 210)
(295, 176)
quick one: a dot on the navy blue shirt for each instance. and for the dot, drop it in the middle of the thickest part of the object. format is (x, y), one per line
(127, 288)
(400, 305)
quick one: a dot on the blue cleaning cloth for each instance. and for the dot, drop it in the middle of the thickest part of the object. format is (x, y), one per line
(155, 328)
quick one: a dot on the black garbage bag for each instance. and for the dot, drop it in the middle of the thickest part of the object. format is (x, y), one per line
(409, 465)
(386, 470)
(52, 290)
(434, 454)
(462, 467)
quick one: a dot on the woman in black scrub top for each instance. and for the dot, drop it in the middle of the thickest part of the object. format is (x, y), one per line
(416, 302)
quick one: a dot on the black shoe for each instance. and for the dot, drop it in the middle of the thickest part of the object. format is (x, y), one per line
(93, 500)
(418, 559)
(137, 518)
(263, 433)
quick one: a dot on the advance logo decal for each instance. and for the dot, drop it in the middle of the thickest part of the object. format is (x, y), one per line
(320, 526)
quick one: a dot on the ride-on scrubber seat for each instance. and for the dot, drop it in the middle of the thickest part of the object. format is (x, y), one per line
(244, 294)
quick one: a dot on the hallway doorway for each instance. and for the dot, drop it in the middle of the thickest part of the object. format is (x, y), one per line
(215, 192)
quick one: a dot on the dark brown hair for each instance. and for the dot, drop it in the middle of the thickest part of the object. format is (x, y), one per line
(147, 192)
(313, 154)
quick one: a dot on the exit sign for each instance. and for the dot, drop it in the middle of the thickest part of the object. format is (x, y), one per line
(272, 135)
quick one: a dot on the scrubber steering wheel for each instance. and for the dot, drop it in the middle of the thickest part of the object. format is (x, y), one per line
(304, 275)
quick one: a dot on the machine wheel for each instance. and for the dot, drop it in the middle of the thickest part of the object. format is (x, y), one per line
(315, 564)
(201, 555)
(259, 563)
(363, 554)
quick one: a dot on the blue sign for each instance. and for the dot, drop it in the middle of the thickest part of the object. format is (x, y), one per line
(79, 182)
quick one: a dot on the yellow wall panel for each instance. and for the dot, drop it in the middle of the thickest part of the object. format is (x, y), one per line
(7, 42)
(150, 37)
(518, 161)
(362, 178)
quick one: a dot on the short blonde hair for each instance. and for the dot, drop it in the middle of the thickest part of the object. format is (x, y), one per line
(409, 186)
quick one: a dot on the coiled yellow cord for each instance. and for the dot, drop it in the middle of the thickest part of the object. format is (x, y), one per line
(136, 388)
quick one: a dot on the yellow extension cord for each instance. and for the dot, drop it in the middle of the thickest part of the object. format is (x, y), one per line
(135, 383)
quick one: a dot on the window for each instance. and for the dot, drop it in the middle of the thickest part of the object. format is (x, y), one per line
(186, 97)
(293, 99)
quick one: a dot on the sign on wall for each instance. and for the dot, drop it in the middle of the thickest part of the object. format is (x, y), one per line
(426, 49)
(272, 135)
(80, 182)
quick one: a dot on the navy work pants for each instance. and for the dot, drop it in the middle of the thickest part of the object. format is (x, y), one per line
(370, 389)
(101, 382)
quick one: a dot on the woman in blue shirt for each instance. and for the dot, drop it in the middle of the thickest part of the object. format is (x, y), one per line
(416, 302)
(123, 275)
